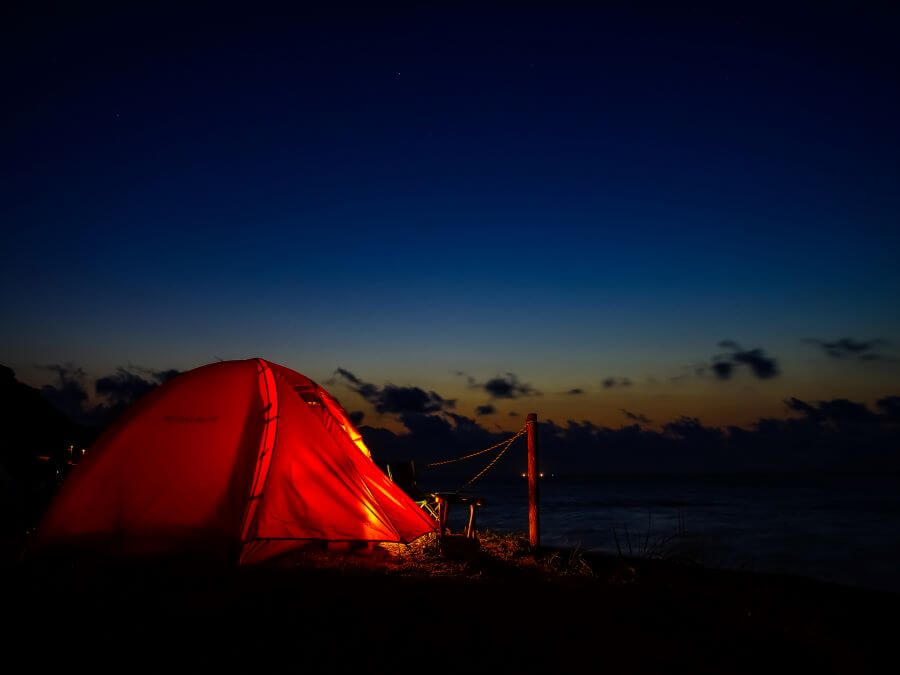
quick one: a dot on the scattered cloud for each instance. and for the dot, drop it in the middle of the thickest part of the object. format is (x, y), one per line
(365, 389)
(796, 405)
(835, 434)
(68, 392)
(471, 382)
(611, 382)
(839, 411)
(636, 417)
(890, 407)
(118, 391)
(426, 425)
(431, 437)
(761, 366)
(161, 376)
(723, 369)
(692, 431)
(509, 386)
(393, 399)
(848, 348)
(575, 392)
(485, 410)
(124, 386)
(397, 400)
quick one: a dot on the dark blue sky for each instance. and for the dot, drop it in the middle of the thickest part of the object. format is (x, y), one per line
(568, 195)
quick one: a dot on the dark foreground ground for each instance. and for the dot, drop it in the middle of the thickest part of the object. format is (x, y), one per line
(502, 610)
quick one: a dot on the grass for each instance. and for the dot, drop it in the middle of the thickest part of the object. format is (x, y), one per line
(655, 546)
(498, 555)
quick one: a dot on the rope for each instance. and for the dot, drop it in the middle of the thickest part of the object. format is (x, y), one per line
(496, 459)
(476, 453)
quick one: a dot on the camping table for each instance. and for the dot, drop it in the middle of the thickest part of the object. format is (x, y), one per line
(444, 500)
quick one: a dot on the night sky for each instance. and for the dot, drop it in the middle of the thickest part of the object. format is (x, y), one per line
(671, 212)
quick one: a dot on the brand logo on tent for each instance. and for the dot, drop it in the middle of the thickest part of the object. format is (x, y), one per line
(191, 419)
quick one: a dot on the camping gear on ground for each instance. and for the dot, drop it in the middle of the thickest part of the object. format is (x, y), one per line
(445, 499)
(403, 473)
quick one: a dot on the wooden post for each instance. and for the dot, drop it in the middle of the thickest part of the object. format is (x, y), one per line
(534, 528)
(442, 517)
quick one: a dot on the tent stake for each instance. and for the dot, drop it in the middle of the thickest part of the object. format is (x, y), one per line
(534, 531)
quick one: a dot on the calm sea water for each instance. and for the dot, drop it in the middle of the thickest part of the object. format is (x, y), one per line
(843, 529)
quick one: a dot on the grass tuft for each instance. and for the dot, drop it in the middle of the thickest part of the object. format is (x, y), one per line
(498, 555)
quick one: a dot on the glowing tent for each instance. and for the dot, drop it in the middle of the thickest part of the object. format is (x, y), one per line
(241, 457)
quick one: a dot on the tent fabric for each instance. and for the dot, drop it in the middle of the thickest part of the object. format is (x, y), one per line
(241, 457)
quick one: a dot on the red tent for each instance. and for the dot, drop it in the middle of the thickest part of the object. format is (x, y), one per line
(246, 457)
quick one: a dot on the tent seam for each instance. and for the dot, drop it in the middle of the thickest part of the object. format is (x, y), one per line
(254, 500)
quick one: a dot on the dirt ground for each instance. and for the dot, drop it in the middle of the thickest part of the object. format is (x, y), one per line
(501, 609)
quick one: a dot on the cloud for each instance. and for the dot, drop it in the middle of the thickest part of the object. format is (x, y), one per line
(637, 417)
(575, 392)
(838, 411)
(465, 424)
(365, 389)
(799, 406)
(118, 391)
(611, 382)
(68, 392)
(692, 431)
(471, 382)
(123, 387)
(723, 369)
(356, 417)
(425, 425)
(848, 348)
(397, 400)
(844, 411)
(831, 435)
(508, 386)
(161, 376)
(430, 437)
(762, 366)
(347, 375)
(485, 410)
(394, 399)
(890, 406)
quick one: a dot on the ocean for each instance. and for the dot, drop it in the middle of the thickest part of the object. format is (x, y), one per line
(843, 529)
